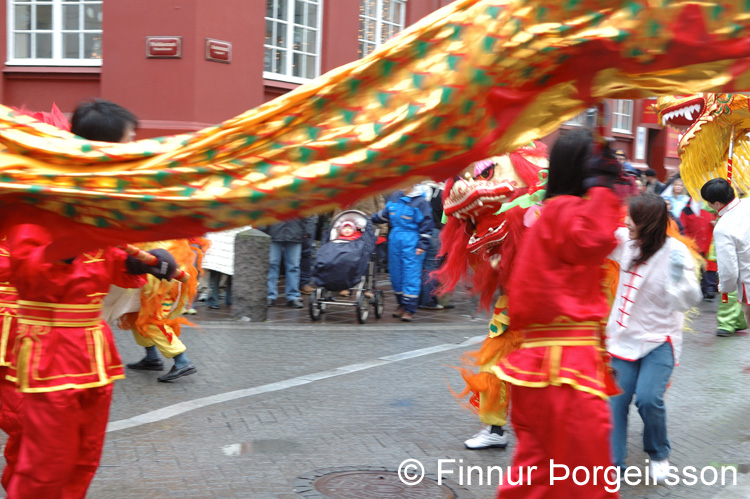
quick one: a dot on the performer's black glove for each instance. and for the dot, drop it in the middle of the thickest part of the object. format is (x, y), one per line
(164, 268)
(602, 169)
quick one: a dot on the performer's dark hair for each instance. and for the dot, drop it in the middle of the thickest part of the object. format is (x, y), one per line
(717, 190)
(567, 163)
(650, 215)
(101, 120)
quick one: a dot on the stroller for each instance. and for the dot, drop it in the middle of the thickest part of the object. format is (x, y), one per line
(351, 264)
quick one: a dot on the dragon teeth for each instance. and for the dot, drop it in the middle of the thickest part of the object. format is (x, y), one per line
(687, 112)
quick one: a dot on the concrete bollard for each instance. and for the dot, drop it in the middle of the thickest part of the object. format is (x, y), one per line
(249, 284)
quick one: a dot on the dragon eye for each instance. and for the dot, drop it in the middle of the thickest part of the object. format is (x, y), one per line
(488, 172)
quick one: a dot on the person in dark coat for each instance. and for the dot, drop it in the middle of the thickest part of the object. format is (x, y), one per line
(286, 241)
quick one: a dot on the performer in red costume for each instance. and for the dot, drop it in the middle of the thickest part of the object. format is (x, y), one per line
(10, 399)
(559, 376)
(65, 359)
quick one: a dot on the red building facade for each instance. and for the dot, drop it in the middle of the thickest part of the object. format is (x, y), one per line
(66, 51)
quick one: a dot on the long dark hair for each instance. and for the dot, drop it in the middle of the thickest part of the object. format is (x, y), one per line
(650, 216)
(567, 163)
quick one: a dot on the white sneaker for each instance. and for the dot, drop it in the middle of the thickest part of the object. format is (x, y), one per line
(486, 440)
(660, 470)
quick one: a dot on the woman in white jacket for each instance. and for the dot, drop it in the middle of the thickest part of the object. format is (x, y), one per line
(658, 283)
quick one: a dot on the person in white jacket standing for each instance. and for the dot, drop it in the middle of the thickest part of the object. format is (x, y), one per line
(658, 283)
(731, 239)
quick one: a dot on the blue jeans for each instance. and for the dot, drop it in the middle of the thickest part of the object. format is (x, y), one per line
(647, 379)
(292, 253)
(214, 278)
(306, 261)
(427, 297)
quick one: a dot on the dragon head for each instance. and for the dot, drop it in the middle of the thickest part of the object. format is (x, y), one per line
(708, 122)
(485, 210)
(489, 185)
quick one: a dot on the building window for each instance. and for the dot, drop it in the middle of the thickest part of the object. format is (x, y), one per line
(578, 120)
(292, 46)
(379, 20)
(55, 32)
(622, 116)
(587, 118)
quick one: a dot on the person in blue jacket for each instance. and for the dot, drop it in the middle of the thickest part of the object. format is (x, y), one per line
(410, 223)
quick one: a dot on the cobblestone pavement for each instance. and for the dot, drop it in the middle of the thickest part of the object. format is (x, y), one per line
(291, 412)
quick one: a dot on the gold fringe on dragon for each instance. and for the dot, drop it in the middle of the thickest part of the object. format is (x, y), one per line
(712, 126)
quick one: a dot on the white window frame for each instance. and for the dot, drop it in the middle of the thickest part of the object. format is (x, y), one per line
(379, 22)
(622, 116)
(577, 120)
(57, 31)
(290, 25)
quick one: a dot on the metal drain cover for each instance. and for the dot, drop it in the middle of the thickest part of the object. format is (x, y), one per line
(377, 485)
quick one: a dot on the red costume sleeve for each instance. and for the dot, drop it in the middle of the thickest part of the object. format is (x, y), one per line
(558, 269)
(27, 244)
(588, 227)
(30, 264)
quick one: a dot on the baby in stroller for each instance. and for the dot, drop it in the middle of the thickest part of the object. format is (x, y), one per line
(349, 232)
(346, 261)
(343, 258)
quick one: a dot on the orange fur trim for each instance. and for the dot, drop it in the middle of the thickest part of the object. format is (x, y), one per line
(610, 279)
(199, 245)
(493, 390)
(163, 302)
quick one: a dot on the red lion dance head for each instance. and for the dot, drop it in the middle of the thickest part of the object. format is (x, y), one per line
(485, 219)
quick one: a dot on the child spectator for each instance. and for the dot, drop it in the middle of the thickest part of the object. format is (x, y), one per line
(349, 232)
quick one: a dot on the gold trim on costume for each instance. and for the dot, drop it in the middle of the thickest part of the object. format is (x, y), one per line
(546, 342)
(67, 386)
(99, 352)
(581, 375)
(542, 384)
(22, 363)
(34, 313)
(68, 307)
(27, 363)
(60, 323)
(7, 320)
(557, 326)
(95, 258)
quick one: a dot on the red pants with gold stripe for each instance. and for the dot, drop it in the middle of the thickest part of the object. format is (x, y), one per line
(562, 424)
(10, 407)
(63, 435)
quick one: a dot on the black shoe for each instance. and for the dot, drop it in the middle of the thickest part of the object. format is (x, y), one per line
(147, 365)
(270, 303)
(175, 373)
(721, 332)
(296, 303)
